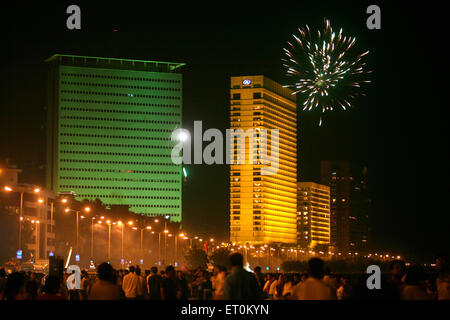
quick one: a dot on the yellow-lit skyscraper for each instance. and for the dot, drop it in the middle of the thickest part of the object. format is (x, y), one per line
(263, 207)
(313, 214)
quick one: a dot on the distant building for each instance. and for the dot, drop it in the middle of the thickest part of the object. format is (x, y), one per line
(31, 208)
(110, 123)
(313, 219)
(350, 205)
(9, 174)
(263, 207)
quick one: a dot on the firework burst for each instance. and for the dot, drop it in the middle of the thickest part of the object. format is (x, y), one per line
(326, 73)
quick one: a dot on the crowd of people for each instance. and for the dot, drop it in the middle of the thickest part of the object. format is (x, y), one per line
(403, 282)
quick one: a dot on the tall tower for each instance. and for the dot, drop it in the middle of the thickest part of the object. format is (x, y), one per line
(263, 207)
(109, 132)
(350, 205)
(336, 175)
(313, 214)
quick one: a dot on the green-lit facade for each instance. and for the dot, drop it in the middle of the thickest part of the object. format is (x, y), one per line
(109, 132)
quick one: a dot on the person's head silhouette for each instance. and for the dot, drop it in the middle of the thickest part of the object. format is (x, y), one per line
(315, 268)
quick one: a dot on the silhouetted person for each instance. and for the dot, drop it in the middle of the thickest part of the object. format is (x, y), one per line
(142, 286)
(314, 288)
(169, 285)
(414, 288)
(218, 282)
(397, 269)
(105, 286)
(31, 287)
(259, 277)
(240, 284)
(15, 287)
(2, 282)
(130, 284)
(344, 289)
(182, 286)
(51, 289)
(154, 281)
(443, 278)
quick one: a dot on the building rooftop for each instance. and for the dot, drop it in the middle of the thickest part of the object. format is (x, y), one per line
(156, 66)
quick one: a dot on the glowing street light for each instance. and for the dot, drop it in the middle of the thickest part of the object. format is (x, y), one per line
(77, 212)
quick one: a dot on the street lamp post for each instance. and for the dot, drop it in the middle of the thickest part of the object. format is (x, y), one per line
(36, 250)
(9, 189)
(78, 232)
(165, 245)
(181, 235)
(52, 208)
(92, 237)
(142, 241)
(20, 221)
(121, 259)
(109, 239)
(159, 246)
(77, 212)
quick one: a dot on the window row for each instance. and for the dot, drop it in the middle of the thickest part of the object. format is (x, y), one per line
(112, 137)
(109, 85)
(118, 179)
(121, 171)
(119, 120)
(100, 196)
(113, 145)
(120, 162)
(121, 103)
(115, 94)
(113, 128)
(116, 154)
(121, 188)
(99, 76)
(121, 111)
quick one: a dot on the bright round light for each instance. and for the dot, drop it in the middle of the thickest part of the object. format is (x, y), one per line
(183, 136)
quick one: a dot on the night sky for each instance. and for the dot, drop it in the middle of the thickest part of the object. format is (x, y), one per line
(398, 131)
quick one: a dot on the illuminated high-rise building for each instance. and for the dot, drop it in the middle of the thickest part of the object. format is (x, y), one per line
(263, 208)
(109, 132)
(313, 214)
